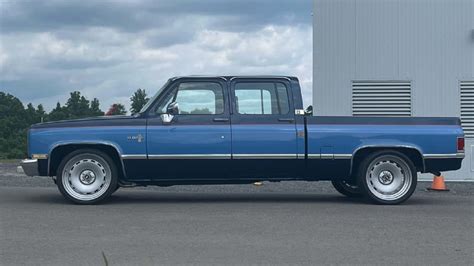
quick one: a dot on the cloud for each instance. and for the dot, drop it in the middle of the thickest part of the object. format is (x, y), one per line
(108, 49)
(146, 14)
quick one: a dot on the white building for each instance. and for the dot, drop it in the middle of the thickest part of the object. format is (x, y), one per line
(416, 56)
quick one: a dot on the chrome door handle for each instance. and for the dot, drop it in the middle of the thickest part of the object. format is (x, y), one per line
(288, 120)
(220, 119)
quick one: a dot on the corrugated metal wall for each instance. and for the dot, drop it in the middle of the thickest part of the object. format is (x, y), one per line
(429, 43)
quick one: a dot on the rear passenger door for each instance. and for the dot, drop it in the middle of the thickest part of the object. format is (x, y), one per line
(264, 140)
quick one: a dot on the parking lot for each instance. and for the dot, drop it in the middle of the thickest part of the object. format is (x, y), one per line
(277, 223)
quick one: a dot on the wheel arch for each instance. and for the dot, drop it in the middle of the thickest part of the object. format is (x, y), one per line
(60, 150)
(412, 152)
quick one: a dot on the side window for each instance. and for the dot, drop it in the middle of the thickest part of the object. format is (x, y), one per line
(199, 98)
(261, 98)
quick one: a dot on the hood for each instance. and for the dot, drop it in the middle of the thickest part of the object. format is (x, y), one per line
(115, 120)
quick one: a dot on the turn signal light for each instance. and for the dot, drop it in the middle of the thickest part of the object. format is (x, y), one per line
(461, 144)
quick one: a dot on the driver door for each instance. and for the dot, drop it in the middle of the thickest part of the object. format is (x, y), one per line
(196, 143)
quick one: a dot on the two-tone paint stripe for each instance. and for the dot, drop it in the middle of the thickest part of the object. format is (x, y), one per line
(189, 156)
(209, 156)
(268, 156)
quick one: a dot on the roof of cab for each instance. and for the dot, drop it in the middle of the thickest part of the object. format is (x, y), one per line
(234, 77)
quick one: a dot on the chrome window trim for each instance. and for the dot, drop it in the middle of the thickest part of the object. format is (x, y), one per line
(259, 77)
(198, 77)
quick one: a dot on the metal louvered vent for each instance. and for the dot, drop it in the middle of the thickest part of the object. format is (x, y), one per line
(467, 107)
(381, 98)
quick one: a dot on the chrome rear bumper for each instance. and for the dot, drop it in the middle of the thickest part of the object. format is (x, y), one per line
(30, 167)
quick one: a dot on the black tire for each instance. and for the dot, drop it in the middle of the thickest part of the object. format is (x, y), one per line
(99, 167)
(387, 177)
(347, 189)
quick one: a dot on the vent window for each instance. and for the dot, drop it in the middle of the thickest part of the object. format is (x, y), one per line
(381, 98)
(467, 107)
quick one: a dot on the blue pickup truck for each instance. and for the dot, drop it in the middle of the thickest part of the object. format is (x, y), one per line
(239, 130)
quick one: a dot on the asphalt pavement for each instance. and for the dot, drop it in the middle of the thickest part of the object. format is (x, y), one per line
(298, 223)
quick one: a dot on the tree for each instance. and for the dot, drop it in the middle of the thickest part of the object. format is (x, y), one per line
(13, 127)
(77, 106)
(58, 113)
(95, 109)
(34, 115)
(41, 113)
(116, 109)
(30, 114)
(138, 100)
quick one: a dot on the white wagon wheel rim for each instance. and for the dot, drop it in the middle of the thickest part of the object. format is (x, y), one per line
(86, 177)
(389, 178)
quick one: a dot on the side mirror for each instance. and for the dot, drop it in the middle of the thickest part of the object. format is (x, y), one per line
(166, 118)
(309, 110)
(172, 109)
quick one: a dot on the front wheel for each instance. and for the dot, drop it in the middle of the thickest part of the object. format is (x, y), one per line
(387, 177)
(87, 176)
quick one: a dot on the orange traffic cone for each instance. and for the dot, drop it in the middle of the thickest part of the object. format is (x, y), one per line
(438, 184)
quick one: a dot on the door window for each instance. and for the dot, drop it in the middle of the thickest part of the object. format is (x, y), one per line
(196, 98)
(261, 98)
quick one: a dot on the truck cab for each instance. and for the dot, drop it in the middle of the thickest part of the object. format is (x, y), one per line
(207, 128)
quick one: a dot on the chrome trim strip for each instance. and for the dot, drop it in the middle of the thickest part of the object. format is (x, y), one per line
(329, 156)
(342, 156)
(300, 156)
(444, 156)
(264, 156)
(189, 156)
(134, 156)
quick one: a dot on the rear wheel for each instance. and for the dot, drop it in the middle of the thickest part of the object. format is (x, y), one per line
(387, 177)
(347, 189)
(87, 176)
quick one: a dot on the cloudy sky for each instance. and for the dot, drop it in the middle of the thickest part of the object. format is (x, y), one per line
(108, 49)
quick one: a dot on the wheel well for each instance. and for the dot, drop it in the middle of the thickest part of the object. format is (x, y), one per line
(413, 154)
(62, 151)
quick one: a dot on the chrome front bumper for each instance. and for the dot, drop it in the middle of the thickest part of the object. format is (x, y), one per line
(30, 167)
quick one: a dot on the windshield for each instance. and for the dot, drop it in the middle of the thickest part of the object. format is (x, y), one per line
(152, 100)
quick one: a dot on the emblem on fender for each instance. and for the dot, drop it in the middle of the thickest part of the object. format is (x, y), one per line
(138, 138)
